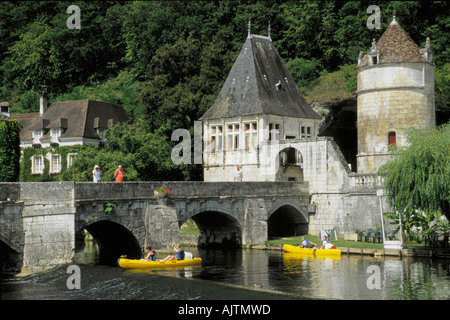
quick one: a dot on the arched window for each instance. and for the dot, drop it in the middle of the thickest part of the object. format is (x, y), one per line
(392, 138)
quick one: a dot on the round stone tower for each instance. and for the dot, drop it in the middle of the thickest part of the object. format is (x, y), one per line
(395, 92)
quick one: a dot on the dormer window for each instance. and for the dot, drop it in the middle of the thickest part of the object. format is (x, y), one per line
(55, 133)
(37, 134)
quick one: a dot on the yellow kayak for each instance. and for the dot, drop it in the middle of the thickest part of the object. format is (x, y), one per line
(138, 264)
(312, 252)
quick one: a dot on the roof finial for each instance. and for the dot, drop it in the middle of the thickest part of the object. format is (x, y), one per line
(249, 36)
(270, 38)
(393, 20)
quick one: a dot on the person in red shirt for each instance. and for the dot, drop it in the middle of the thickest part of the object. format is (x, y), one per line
(118, 174)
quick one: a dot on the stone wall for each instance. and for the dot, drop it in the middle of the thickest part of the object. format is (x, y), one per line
(391, 98)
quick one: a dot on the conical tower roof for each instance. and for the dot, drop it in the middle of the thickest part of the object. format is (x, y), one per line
(259, 83)
(395, 46)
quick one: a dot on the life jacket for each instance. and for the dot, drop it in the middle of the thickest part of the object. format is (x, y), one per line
(180, 255)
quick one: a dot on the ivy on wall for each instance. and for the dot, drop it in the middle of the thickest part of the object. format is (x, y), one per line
(9, 150)
(26, 174)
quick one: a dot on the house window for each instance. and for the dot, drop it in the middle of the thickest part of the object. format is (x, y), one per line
(56, 163)
(274, 131)
(233, 136)
(216, 138)
(37, 134)
(392, 138)
(55, 133)
(37, 164)
(70, 159)
(306, 132)
(251, 135)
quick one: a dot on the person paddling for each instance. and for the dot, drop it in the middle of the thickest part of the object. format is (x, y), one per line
(179, 255)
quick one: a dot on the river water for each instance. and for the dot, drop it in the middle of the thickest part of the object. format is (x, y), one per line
(241, 275)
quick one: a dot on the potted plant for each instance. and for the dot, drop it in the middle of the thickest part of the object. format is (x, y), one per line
(161, 192)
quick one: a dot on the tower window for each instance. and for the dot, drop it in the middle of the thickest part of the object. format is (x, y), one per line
(392, 138)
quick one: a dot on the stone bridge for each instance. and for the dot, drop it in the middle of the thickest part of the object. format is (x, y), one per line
(42, 223)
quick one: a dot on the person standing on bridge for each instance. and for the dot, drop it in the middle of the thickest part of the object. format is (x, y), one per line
(96, 173)
(118, 174)
(238, 175)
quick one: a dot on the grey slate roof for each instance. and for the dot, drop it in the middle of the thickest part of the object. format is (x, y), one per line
(250, 88)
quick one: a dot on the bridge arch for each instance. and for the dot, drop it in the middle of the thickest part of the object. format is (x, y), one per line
(113, 240)
(10, 259)
(219, 227)
(286, 219)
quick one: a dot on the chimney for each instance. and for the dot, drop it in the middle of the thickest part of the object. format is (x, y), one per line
(5, 109)
(43, 100)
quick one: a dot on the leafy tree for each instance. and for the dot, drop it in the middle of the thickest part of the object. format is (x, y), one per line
(9, 151)
(418, 176)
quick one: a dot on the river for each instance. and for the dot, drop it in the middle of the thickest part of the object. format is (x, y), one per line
(241, 275)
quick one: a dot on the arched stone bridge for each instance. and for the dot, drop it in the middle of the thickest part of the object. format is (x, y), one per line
(42, 223)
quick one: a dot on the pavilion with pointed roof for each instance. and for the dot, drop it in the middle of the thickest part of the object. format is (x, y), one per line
(259, 103)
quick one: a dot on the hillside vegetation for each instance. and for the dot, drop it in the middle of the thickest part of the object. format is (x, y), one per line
(165, 61)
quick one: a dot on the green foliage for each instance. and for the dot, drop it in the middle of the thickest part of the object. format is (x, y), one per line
(165, 61)
(304, 71)
(26, 174)
(9, 151)
(109, 208)
(442, 89)
(88, 157)
(418, 176)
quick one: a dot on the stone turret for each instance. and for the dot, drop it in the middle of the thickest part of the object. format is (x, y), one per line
(395, 92)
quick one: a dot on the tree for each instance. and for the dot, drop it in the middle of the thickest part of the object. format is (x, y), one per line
(418, 176)
(9, 151)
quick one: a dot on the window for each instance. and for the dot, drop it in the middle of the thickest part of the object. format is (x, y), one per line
(392, 138)
(274, 131)
(306, 132)
(56, 163)
(251, 135)
(37, 134)
(233, 136)
(216, 138)
(70, 159)
(37, 164)
(56, 132)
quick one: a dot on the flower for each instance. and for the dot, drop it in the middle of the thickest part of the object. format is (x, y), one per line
(163, 190)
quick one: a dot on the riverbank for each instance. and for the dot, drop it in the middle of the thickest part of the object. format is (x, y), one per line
(364, 248)
(442, 253)
(347, 247)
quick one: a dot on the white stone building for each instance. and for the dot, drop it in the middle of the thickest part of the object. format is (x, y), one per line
(262, 123)
(258, 110)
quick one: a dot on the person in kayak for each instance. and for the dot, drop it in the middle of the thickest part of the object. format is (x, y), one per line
(307, 244)
(179, 255)
(150, 255)
(327, 244)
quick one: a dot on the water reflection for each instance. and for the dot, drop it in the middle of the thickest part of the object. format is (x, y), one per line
(347, 277)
